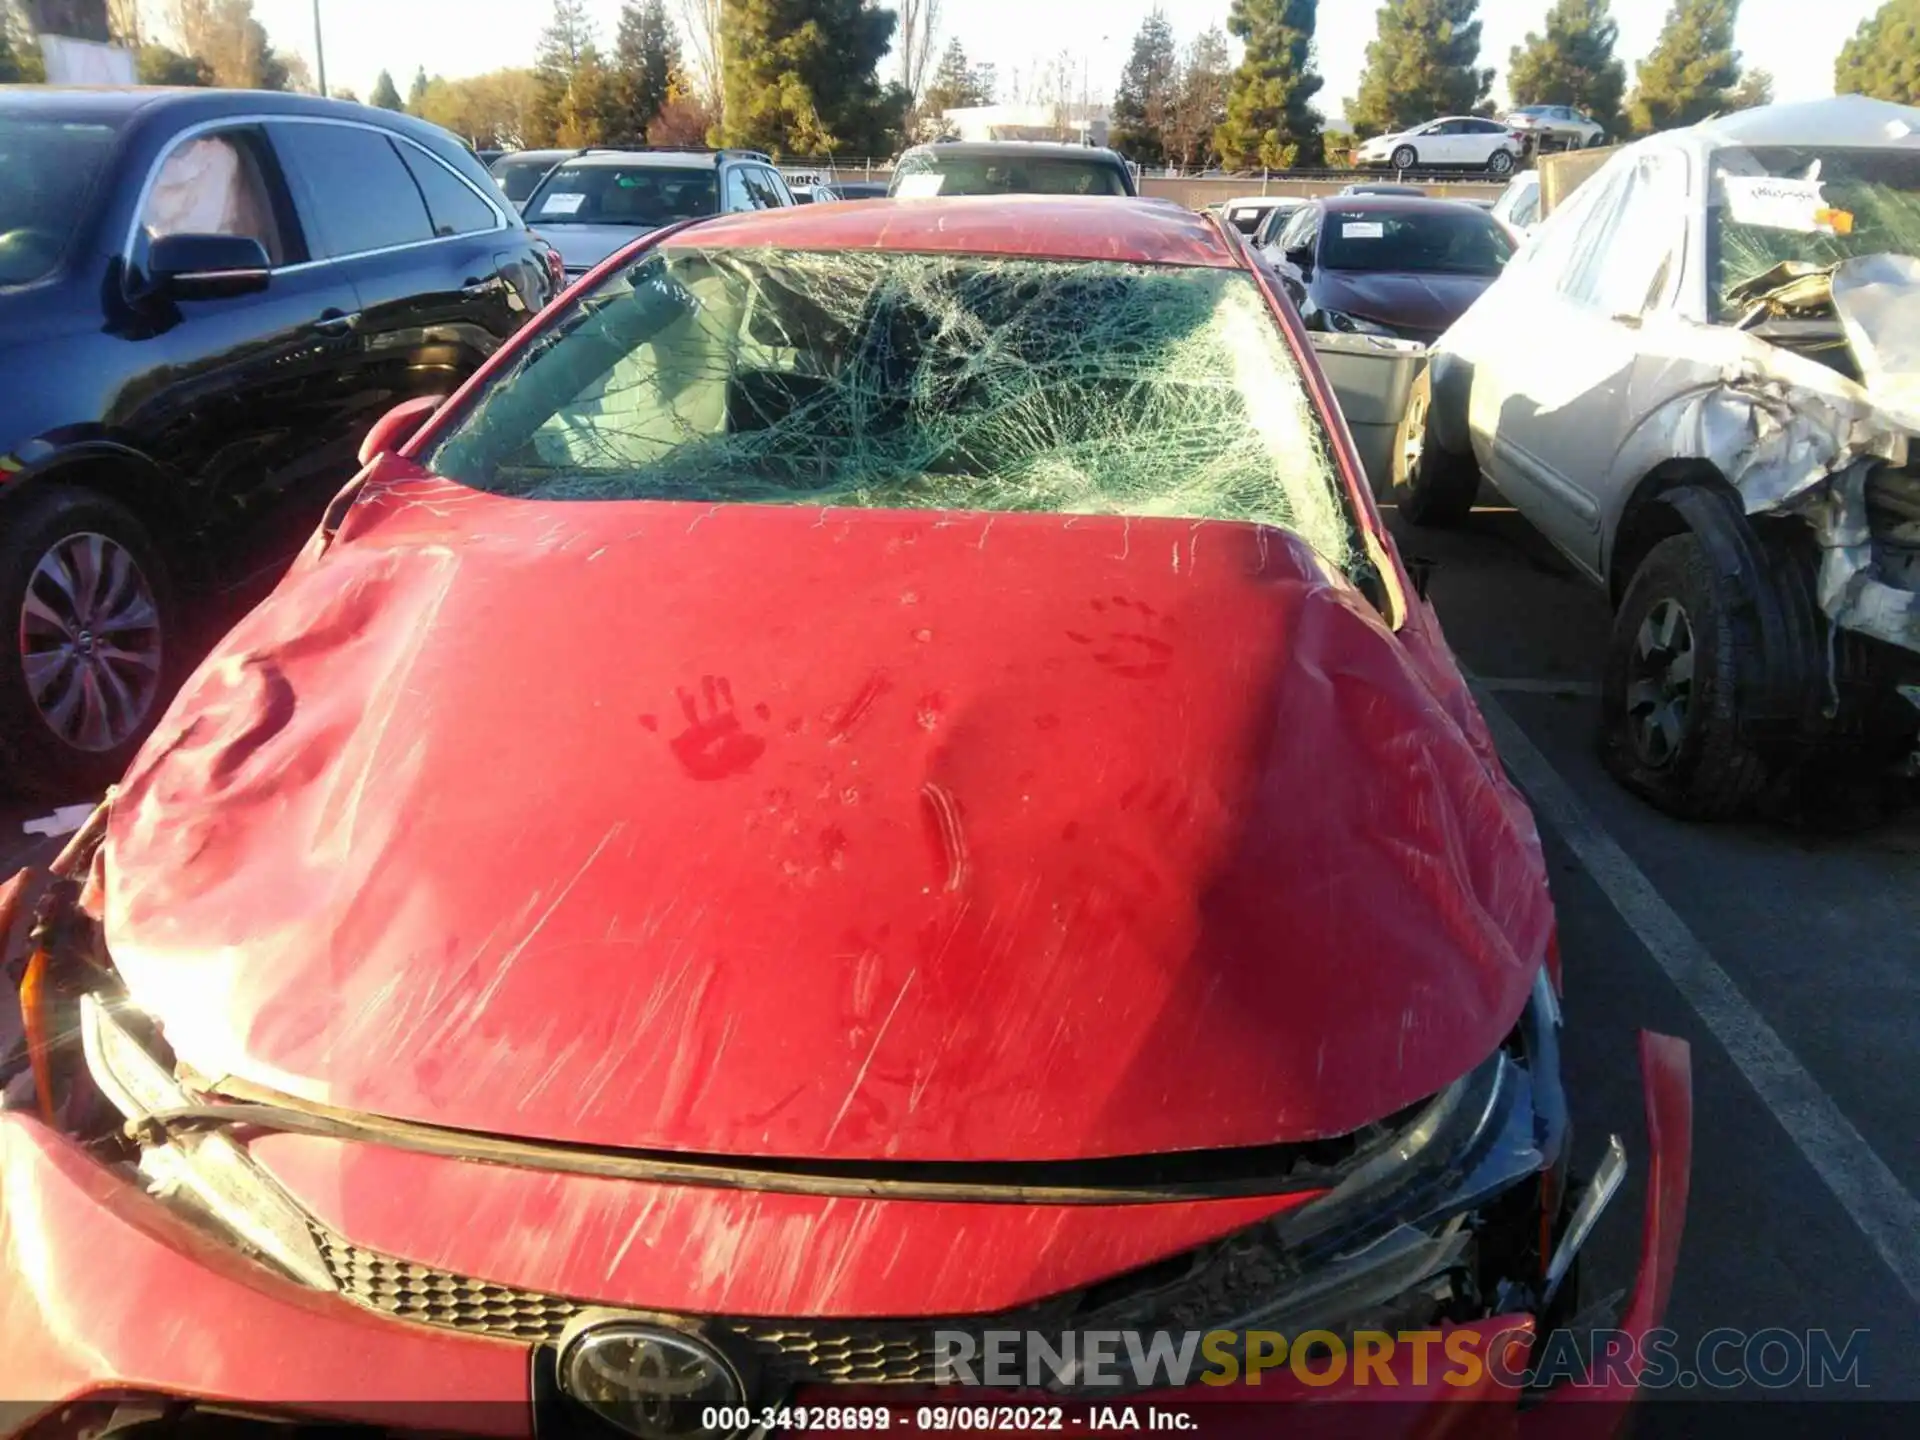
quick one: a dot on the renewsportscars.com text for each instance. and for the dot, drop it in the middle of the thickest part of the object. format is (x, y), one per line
(1130, 1359)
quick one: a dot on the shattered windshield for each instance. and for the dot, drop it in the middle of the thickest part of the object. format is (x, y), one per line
(901, 380)
(1787, 204)
(641, 195)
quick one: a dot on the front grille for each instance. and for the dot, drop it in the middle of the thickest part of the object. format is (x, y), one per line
(830, 1352)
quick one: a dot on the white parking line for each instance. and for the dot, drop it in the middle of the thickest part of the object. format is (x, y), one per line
(1867, 1190)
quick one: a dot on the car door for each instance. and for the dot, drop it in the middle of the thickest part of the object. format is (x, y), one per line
(430, 306)
(243, 396)
(1563, 381)
(1478, 140)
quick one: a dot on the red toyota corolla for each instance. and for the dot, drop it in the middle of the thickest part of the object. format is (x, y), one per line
(874, 779)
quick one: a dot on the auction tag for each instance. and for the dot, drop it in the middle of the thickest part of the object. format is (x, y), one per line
(1770, 204)
(563, 203)
(1363, 230)
(919, 187)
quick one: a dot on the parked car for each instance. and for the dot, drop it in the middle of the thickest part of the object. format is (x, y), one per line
(1697, 382)
(1009, 167)
(872, 859)
(599, 200)
(1385, 265)
(519, 173)
(205, 299)
(1250, 212)
(1457, 142)
(1275, 221)
(1518, 207)
(1560, 127)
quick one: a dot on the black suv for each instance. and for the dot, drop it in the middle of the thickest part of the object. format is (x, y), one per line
(206, 298)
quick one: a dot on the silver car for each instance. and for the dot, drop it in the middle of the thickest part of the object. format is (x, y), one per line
(1557, 127)
(1701, 381)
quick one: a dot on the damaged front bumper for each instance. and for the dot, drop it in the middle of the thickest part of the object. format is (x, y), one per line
(108, 1295)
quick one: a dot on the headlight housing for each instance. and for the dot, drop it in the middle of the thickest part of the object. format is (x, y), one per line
(1345, 324)
(203, 1170)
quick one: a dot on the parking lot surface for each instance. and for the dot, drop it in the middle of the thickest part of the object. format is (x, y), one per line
(1787, 960)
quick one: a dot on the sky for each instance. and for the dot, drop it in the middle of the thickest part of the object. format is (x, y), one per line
(1794, 39)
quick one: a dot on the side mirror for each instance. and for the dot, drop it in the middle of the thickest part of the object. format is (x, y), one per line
(207, 267)
(1301, 258)
(399, 425)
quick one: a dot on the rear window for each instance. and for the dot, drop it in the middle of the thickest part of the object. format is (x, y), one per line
(874, 379)
(646, 196)
(47, 172)
(518, 176)
(1459, 242)
(931, 174)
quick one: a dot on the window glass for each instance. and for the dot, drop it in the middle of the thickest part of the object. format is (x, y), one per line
(213, 185)
(737, 196)
(1419, 242)
(451, 203)
(47, 171)
(856, 378)
(518, 176)
(1630, 249)
(361, 196)
(1299, 229)
(933, 173)
(767, 188)
(640, 195)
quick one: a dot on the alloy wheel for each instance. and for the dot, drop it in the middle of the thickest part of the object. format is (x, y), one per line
(1660, 683)
(90, 641)
(1413, 439)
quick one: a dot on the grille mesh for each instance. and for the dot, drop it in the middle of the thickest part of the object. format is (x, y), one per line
(826, 1352)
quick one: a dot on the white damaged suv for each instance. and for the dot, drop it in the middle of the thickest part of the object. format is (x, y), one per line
(1701, 381)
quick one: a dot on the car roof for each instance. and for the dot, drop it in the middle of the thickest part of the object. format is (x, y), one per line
(1057, 227)
(1025, 149)
(1842, 121)
(110, 102)
(533, 157)
(661, 159)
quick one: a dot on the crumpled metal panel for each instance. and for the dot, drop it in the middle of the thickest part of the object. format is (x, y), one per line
(769, 831)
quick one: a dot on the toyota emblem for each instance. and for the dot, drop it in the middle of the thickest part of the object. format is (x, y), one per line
(653, 1382)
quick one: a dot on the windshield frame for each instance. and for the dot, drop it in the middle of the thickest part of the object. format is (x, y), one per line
(87, 199)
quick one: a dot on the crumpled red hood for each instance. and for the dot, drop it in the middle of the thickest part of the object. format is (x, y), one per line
(856, 834)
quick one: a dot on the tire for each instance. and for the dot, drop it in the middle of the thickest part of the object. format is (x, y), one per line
(1432, 486)
(62, 737)
(1596, 142)
(1670, 724)
(1405, 158)
(1500, 163)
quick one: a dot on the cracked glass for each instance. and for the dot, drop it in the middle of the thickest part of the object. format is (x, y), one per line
(891, 380)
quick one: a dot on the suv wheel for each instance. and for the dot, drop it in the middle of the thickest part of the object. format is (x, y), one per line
(88, 618)
(1432, 486)
(1670, 726)
(1405, 158)
(1500, 162)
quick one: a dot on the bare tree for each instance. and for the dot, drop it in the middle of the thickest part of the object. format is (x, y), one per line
(914, 40)
(700, 20)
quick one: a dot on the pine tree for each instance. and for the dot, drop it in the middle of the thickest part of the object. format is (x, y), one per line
(385, 94)
(646, 57)
(1423, 64)
(1572, 63)
(1692, 71)
(572, 79)
(1271, 121)
(956, 84)
(417, 91)
(1146, 93)
(1883, 57)
(802, 77)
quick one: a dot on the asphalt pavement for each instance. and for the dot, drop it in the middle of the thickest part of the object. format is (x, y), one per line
(1787, 960)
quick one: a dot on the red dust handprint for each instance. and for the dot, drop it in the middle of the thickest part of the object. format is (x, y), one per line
(713, 746)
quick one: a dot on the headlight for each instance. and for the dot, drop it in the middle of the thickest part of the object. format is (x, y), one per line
(1353, 325)
(205, 1169)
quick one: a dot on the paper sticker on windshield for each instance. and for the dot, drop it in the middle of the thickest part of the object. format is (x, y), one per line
(565, 203)
(1363, 230)
(919, 187)
(1773, 204)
